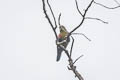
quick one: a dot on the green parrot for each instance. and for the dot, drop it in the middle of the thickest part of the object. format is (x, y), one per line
(62, 40)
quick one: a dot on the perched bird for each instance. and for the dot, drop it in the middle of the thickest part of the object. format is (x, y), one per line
(62, 40)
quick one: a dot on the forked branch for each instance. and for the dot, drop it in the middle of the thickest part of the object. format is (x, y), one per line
(83, 16)
(71, 64)
(107, 6)
(52, 13)
(78, 8)
(69, 55)
(86, 10)
(50, 22)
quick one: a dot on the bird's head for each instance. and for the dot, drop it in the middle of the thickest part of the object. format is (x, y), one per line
(63, 32)
(62, 29)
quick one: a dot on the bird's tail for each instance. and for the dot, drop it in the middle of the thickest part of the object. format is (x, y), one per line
(59, 52)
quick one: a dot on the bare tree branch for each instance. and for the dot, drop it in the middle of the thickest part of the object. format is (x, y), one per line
(106, 6)
(117, 2)
(71, 63)
(96, 19)
(52, 13)
(77, 59)
(71, 46)
(46, 15)
(82, 35)
(82, 18)
(88, 8)
(59, 19)
(73, 68)
(78, 8)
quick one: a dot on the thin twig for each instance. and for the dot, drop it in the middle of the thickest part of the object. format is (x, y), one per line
(71, 46)
(117, 2)
(59, 19)
(82, 35)
(77, 59)
(52, 13)
(96, 19)
(106, 6)
(78, 8)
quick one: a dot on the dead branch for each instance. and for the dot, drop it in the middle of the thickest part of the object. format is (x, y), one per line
(86, 10)
(117, 2)
(46, 15)
(59, 19)
(78, 8)
(72, 67)
(82, 16)
(71, 46)
(82, 35)
(96, 19)
(77, 59)
(52, 13)
(108, 7)
(71, 64)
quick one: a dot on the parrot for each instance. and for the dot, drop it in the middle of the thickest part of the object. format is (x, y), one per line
(63, 40)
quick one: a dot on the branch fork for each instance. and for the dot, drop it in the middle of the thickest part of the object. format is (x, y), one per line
(71, 66)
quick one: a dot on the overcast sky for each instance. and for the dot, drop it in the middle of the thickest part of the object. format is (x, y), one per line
(27, 42)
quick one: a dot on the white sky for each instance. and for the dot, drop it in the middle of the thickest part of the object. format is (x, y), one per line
(27, 43)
